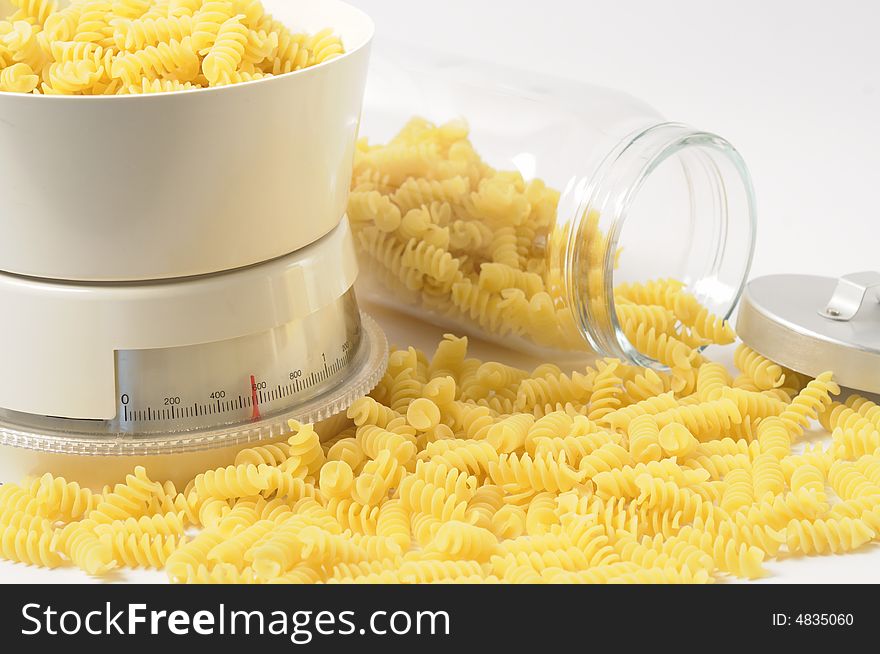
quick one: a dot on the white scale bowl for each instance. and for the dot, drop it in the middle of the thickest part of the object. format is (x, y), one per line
(146, 187)
(146, 238)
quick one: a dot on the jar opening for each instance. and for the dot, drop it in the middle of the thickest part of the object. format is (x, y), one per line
(669, 203)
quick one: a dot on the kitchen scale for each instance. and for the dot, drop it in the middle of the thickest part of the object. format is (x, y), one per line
(176, 270)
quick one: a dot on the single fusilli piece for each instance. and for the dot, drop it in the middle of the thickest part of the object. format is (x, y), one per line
(827, 536)
(232, 481)
(809, 403)
(763, 372)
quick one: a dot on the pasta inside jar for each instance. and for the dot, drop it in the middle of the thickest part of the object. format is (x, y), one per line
(565, 221)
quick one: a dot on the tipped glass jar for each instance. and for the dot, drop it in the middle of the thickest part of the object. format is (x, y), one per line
(550, 216)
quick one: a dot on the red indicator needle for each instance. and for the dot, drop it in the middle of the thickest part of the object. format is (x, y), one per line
(255, 401)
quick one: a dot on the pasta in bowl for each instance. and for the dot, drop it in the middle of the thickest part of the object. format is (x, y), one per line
(226, 126)
(96, 47)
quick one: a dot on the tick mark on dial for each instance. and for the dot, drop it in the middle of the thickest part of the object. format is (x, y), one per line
(255, 401)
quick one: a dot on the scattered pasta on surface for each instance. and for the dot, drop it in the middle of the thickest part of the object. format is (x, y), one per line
(93, 47)
(458, 470)
(454, 469)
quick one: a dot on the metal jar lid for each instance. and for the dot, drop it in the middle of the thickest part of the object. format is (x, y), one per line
(812, 324)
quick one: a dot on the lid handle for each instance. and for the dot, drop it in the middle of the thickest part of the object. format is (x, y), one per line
(850, 294)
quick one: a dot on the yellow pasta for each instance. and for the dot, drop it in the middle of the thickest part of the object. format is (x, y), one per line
(676, 440)
(645, 384)
(606, 391)
(454, 469)
(98, 47)
(63, 500)
(36, 10)
(644, 439)
(185, 560)
(525, 473)
(767, 476)
(773, 437)
(456, 540)
(621, 418)
(427, 571)
(348, 450)
(272, 454)
(809, 403)
(485, 237)
(133, 35)
(286, 484)
(226, 53)
(502, 498)
(423, 414)
(304, 444)
(367, 411)
(30, 542)
(78, 542)
(373, 440)
(765, 374)
(143, 550)
(336, 479)
(127, 500)
(232, 481)
(706, 421)
(849, 483)
(853, 443)
(18, 78)
(808, 477)
(828, 536)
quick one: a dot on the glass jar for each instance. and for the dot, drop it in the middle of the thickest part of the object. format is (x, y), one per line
(522, 208)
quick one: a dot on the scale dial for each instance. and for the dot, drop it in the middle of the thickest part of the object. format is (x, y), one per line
(240, 380)
(233, 391)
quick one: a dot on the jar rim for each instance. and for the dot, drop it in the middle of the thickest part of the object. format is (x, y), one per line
(608, 200)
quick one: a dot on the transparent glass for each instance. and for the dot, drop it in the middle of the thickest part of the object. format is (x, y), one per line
(639, 198)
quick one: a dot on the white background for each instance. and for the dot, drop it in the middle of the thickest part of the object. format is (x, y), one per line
(795, 86)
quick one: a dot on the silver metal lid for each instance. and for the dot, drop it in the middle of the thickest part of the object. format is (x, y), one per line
(812, 324)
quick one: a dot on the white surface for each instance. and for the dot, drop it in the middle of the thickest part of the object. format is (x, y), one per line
(144, 187)
(794, 85)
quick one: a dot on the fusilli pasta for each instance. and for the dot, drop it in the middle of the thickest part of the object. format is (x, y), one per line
(102, 47)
